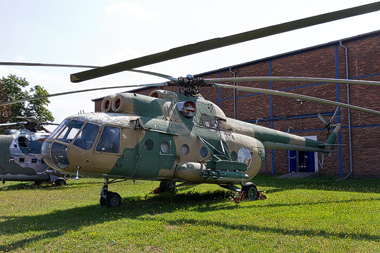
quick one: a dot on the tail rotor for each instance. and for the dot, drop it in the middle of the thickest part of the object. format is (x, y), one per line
(328, 124)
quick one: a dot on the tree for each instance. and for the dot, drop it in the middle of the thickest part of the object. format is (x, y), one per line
(13, 88)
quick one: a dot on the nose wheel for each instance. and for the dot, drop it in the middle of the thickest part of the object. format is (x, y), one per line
(108, 198)
(112, 199)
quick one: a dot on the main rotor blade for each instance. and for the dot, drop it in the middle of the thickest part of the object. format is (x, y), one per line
(46, 65)
(291, 78)
(153, 74)
(292, 95)
(80, 91)
(82, 66)
(222, 42)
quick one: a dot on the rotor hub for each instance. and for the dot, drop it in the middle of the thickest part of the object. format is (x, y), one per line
(190, 83)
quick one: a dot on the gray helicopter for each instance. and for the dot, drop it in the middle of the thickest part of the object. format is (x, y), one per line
(20, 153)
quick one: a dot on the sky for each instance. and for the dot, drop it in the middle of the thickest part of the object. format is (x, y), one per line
(100, 32)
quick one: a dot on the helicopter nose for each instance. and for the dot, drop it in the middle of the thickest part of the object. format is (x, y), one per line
(55, 155)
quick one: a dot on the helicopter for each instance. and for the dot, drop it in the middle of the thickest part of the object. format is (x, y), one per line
(20, 158)
(180, 138)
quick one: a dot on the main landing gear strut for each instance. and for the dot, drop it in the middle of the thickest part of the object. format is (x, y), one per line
(248, 190)
(108, 198)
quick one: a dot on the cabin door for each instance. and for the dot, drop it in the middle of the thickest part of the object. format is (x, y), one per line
(147, 157)
(156, 153)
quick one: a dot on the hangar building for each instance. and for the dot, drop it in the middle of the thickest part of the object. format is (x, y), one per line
(353, 58)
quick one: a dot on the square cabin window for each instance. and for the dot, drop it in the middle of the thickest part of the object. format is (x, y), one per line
(110, 140)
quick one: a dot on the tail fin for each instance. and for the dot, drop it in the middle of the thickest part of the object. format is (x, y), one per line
(332, 138)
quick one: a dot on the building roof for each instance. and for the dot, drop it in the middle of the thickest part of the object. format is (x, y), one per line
(353, 38)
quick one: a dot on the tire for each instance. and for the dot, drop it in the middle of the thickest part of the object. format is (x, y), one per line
(167, 186)
(113, 199)
(37, 182)
(102, 202)
(60, 182)
(250, 191)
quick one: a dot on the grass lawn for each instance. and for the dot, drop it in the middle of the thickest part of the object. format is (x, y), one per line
(299, 215)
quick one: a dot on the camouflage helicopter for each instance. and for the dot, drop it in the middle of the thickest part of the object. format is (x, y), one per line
(180, 138)
(20, 153)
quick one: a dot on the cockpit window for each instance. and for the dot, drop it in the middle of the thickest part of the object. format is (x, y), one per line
(87, 136)
(69, 133)
(110, 140)
(59, 128)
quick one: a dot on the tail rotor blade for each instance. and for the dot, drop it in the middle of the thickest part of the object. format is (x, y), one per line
(335, 113)
(323, 119)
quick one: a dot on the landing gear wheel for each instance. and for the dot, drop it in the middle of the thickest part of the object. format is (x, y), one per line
(250, 191)
(167, 186)
(113, 199)
(37, 182)
(60, 182)
(108, 198)
(102, 202)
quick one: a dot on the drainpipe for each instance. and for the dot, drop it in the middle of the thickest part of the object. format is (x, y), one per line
(349, 112)
(234, 73)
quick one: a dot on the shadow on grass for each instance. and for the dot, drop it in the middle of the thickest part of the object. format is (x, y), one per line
(57, 223)
(48, 186)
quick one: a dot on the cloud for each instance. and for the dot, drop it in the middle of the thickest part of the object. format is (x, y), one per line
(117, 56)
(20, 58)
(129, 11)
(5, 71)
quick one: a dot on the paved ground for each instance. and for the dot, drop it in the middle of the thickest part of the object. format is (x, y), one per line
(298, 175)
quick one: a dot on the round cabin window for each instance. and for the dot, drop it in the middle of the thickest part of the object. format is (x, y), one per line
(203, 152)
(185, 149)
(149, 144)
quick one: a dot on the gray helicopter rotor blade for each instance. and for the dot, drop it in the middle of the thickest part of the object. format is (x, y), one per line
(49, 123)
(291, 78)
(292, 95)
(9, 124)
(80, 91)
(34, 120)
(222, 42)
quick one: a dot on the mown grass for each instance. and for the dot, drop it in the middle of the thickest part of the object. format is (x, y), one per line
(299, 215)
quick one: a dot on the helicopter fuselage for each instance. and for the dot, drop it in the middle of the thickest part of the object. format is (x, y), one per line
(164, 136)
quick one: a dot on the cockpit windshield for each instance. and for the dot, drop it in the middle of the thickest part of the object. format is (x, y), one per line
(69, 133)
(87, 136)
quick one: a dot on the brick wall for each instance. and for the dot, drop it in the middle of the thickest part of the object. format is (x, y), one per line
(301, 118)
